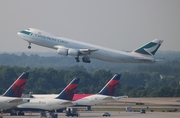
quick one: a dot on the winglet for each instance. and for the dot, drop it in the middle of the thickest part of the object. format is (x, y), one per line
(110, 88)
(69, 91)
(149, 48)
(16, 89)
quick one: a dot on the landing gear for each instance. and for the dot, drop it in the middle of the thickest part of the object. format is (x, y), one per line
(77, 59)
(53, 115)
(86, 60)
(29, 47)
(1, 116)
(20, 113)
(13, 114)
(43, 114)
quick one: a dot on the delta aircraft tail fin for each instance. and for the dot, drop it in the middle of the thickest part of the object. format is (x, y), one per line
(69, 91)
(16, 89)
(110, 88)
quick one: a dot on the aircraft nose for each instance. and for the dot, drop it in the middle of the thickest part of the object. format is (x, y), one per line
(18, 33)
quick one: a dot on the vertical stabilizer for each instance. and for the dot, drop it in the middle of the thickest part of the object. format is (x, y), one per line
(69, 91)
(16, 89)
(149, 48)
(110, 88)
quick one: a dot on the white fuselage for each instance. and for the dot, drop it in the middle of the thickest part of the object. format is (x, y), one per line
(105, 54)
(93, 100)
(10, 102)
(89, 100)
(45, 104)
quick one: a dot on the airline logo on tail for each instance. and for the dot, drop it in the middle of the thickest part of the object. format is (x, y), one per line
(110, 88)
(69, 91)
(149, 48)
(16, 89)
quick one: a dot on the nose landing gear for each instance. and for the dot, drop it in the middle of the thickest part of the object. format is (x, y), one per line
(29, 47)
(77, 59)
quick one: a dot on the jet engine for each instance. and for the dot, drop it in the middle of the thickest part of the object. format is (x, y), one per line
(62, 51)
(73, 52)
(66, 52)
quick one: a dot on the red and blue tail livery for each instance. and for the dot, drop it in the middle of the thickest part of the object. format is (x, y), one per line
(69, 91)
(16, 89)
(110, 88)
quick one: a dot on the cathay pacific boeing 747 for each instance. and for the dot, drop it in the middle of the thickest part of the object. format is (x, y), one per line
(70, 47)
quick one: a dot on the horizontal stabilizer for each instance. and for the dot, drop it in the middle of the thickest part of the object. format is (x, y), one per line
(108, 98)
(15, 100)
(19, 100)
(114, 98)
(67, 103)
(119, 97)
(145, 59)
(159, 60)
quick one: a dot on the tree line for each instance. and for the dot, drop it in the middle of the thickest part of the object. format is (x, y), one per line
(33, 60)
(146, 81)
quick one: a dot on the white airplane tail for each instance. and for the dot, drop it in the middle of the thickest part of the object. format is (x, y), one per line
(149, 48)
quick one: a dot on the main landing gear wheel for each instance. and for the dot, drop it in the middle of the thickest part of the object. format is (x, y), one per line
(86, 60)
(77, 59)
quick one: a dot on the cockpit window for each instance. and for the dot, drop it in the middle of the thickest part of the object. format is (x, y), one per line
(28, 29)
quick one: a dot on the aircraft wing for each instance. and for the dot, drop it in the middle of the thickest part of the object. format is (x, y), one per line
(82, 51)
(58, 46)
(87, 51)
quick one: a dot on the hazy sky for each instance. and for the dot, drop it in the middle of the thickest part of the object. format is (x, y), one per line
(117, 24)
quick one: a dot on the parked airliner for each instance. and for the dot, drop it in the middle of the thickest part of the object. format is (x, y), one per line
(105, 95)
(65, 46)
(12, 97)
(64, 99)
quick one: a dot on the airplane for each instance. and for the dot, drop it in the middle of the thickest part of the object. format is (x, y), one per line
(65, 47)
(48, 104)
(105, 95)
(12, 97)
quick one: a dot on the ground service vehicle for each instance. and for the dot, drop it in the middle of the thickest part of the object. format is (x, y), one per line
(106, 114)
(142, 111)
(70, 111)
